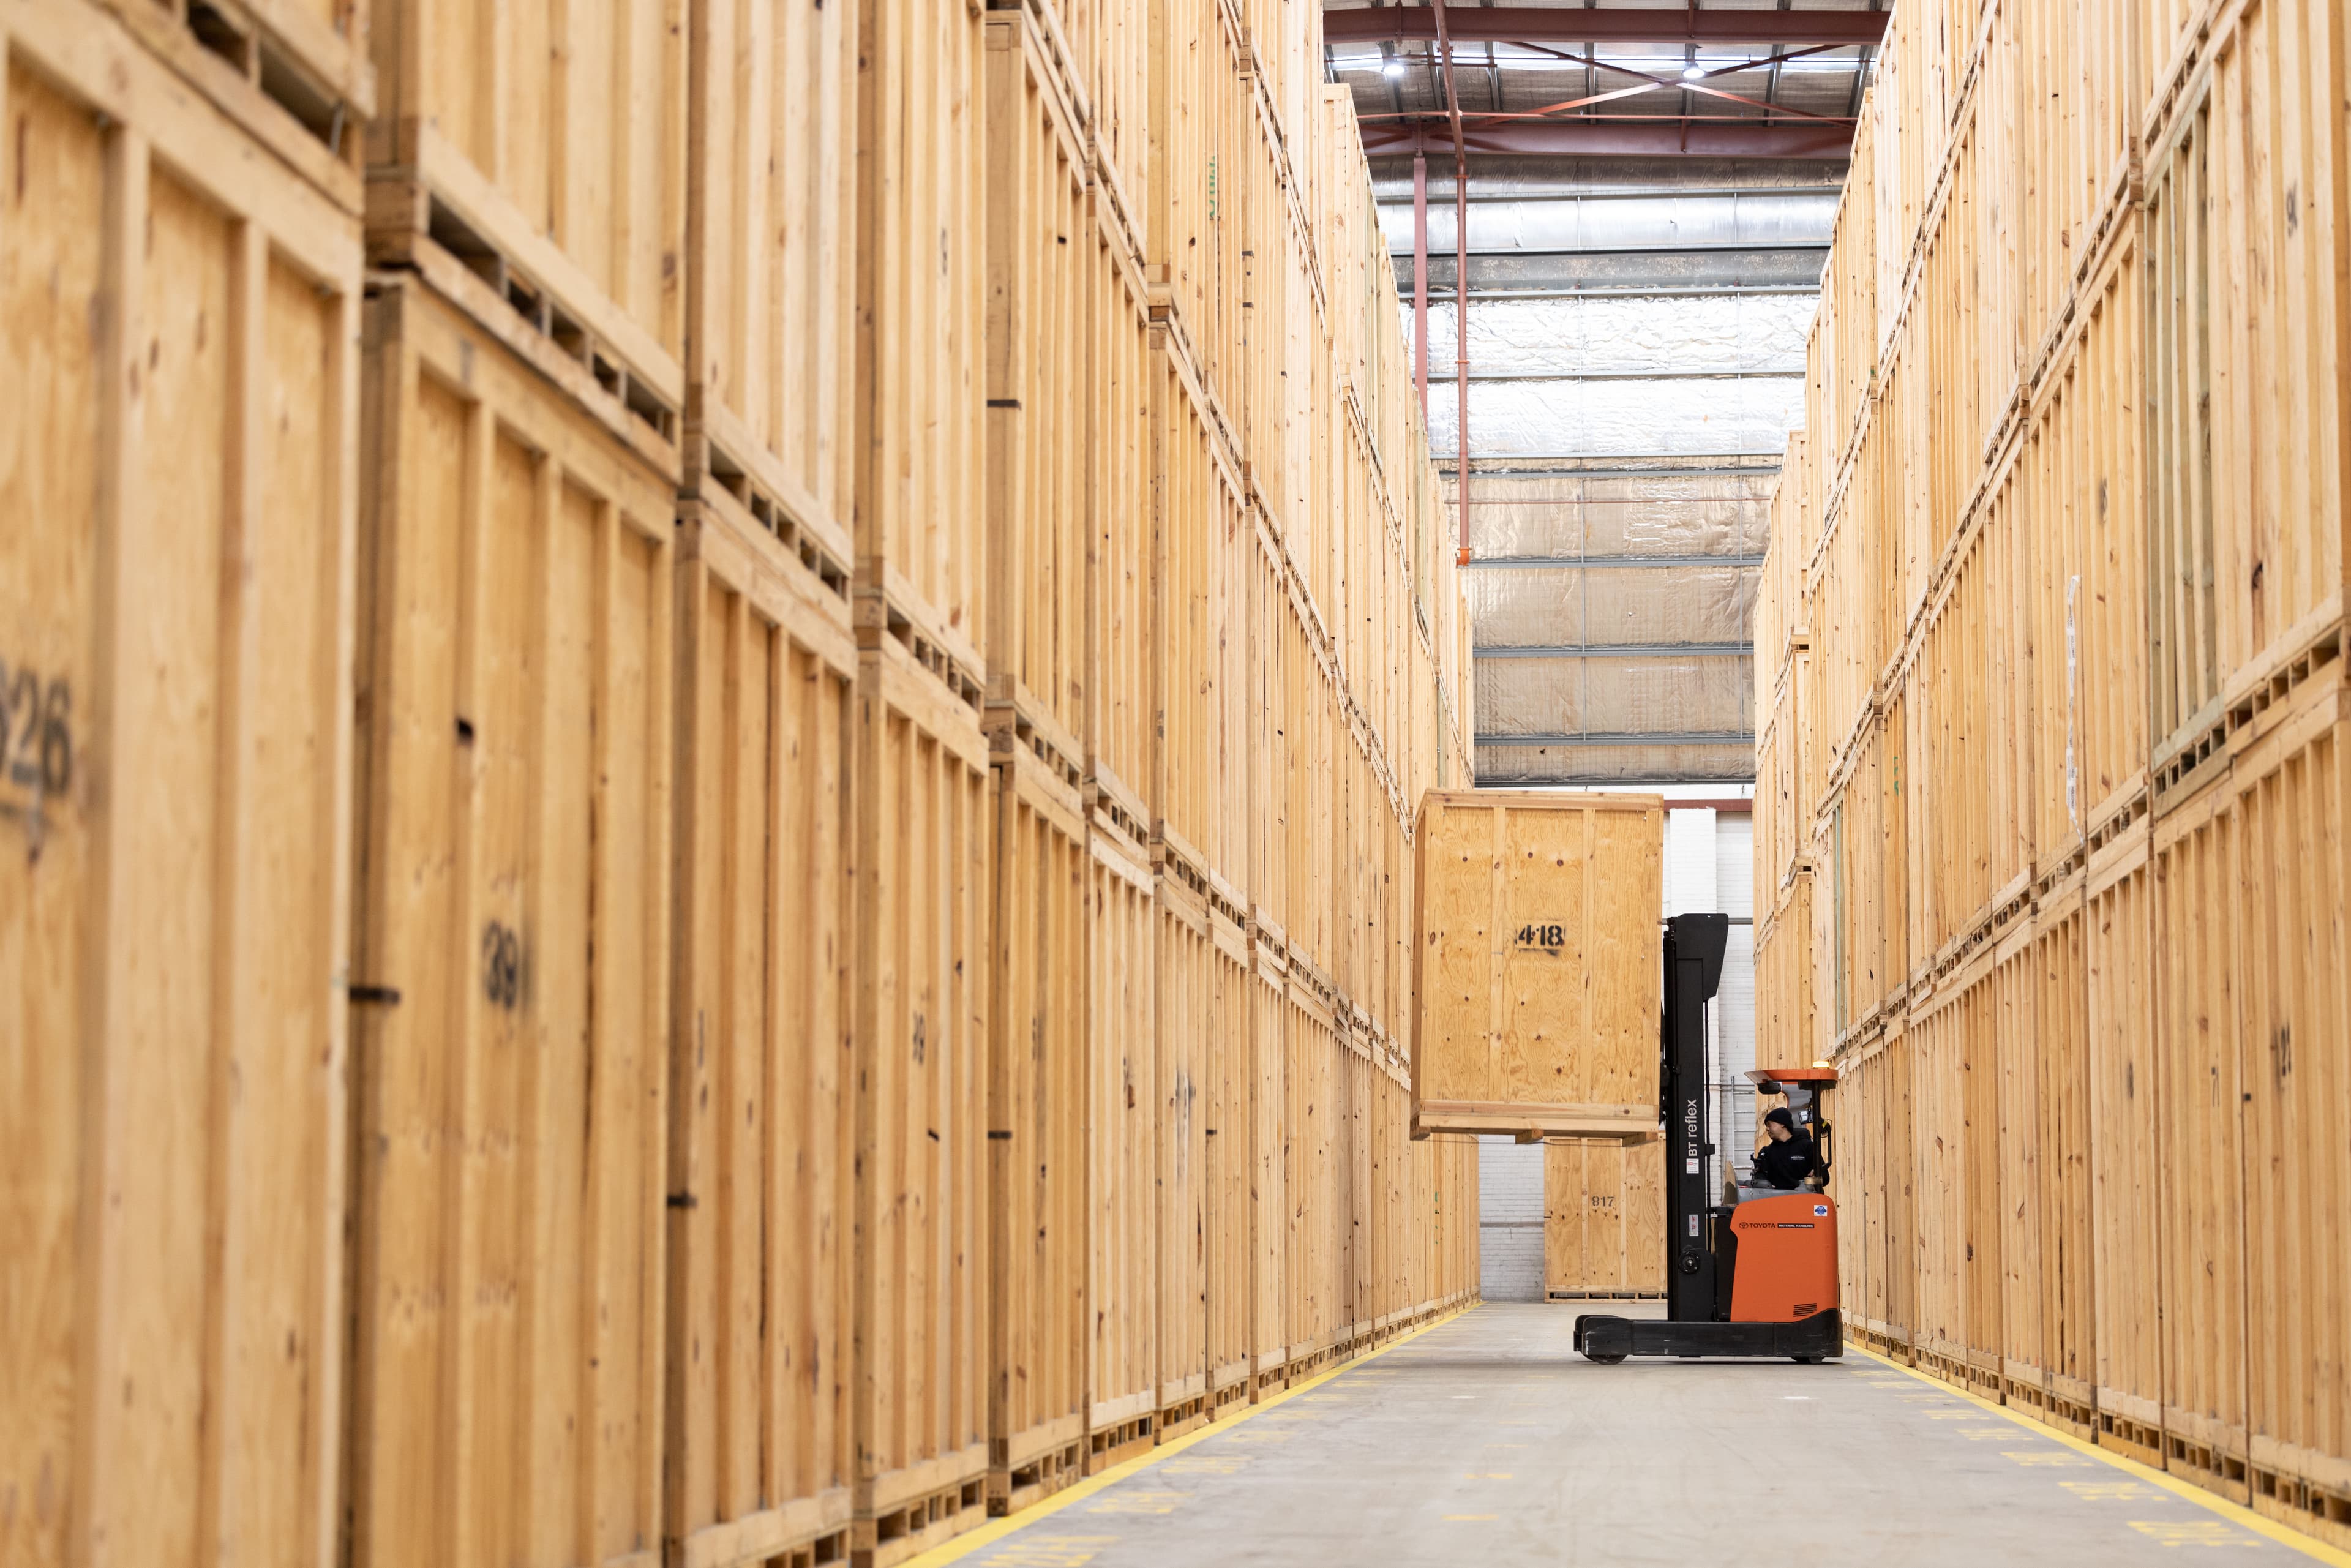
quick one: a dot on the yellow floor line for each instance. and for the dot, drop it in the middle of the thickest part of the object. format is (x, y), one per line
(2234, 1512)
(996, 1530)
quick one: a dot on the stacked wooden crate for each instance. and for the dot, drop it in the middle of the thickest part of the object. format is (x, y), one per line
(180, 262)
(2076, 424)
(728, 890)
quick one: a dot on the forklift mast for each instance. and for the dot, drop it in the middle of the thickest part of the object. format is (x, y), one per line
(1695, 944)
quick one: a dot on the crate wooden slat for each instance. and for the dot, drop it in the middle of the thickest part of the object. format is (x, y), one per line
(513, 889)
(1183, 1031)
(178, 313)
(756, 1435)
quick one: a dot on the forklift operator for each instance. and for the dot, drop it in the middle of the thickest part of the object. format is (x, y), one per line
(1790, 1161)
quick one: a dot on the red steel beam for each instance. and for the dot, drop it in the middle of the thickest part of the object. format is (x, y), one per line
(1660, 25)
(1616, 138)
(1420, 281)
(1460, 295)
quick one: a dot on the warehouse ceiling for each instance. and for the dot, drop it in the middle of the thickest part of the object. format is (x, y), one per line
(1649, 198)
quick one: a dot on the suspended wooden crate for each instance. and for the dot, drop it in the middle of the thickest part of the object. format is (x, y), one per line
(179, 317)
(1603, 1221)
(922, 318)
(1037, 1140)
(1122, 1314)
(1194, 223)
(923, 851)
(757, 1436)
(514, 838)
(769, 266)
(545, 152)
(1536, 963)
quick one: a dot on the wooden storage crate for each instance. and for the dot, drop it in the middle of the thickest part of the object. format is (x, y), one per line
(1787, 1028)
(1268, 1183)
(179, 317)
(2245, 401)
(923, 853)
(1536, 963)
(1100, 52)
(2060, 1114)
(1953, 1129)
(512, 925)
(770, 266)
(920, 346)
(1229, 1204)
(2200, 856)
(2125, 1167)
(1197, 788)
(1037, 1132)
(1183, 988)
(1045, 315)
(1121, 1305)
(2020, 1161)
(2290, 904)
(1310, 1151)
(1126, 385)
(545, 151)
(1603, 1221)
(755, 1433)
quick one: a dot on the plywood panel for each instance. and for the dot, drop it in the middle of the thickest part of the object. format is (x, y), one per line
(1121, 1314)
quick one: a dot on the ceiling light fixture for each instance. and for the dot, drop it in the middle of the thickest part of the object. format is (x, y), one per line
(1392, 67)
(1691, 73)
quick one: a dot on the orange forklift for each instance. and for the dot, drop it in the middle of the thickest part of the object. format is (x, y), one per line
(1757, 1278)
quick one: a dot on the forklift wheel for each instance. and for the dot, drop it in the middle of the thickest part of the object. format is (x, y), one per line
(1805, 1360)
(1603, 1360)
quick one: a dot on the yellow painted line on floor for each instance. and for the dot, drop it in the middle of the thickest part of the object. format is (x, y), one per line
(2234, 1512)
(996, 1530)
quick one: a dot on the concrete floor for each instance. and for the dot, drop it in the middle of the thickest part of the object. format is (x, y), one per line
(1488, 1441)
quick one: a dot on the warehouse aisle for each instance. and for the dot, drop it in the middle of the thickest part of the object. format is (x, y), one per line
(1487, 1440)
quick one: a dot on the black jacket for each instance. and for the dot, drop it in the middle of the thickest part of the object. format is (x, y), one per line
(1786, 1165)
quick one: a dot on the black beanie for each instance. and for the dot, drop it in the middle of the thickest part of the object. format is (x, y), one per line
(1779, 1115)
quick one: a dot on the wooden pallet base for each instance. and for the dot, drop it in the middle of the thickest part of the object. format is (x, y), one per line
(2214, 1470)
(1183, 1415)
(1013, 1488)
(916, 1527)
(2315, 1510)
(1120, 1441)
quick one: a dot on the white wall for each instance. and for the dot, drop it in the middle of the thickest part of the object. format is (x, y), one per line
(1509, 1220)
